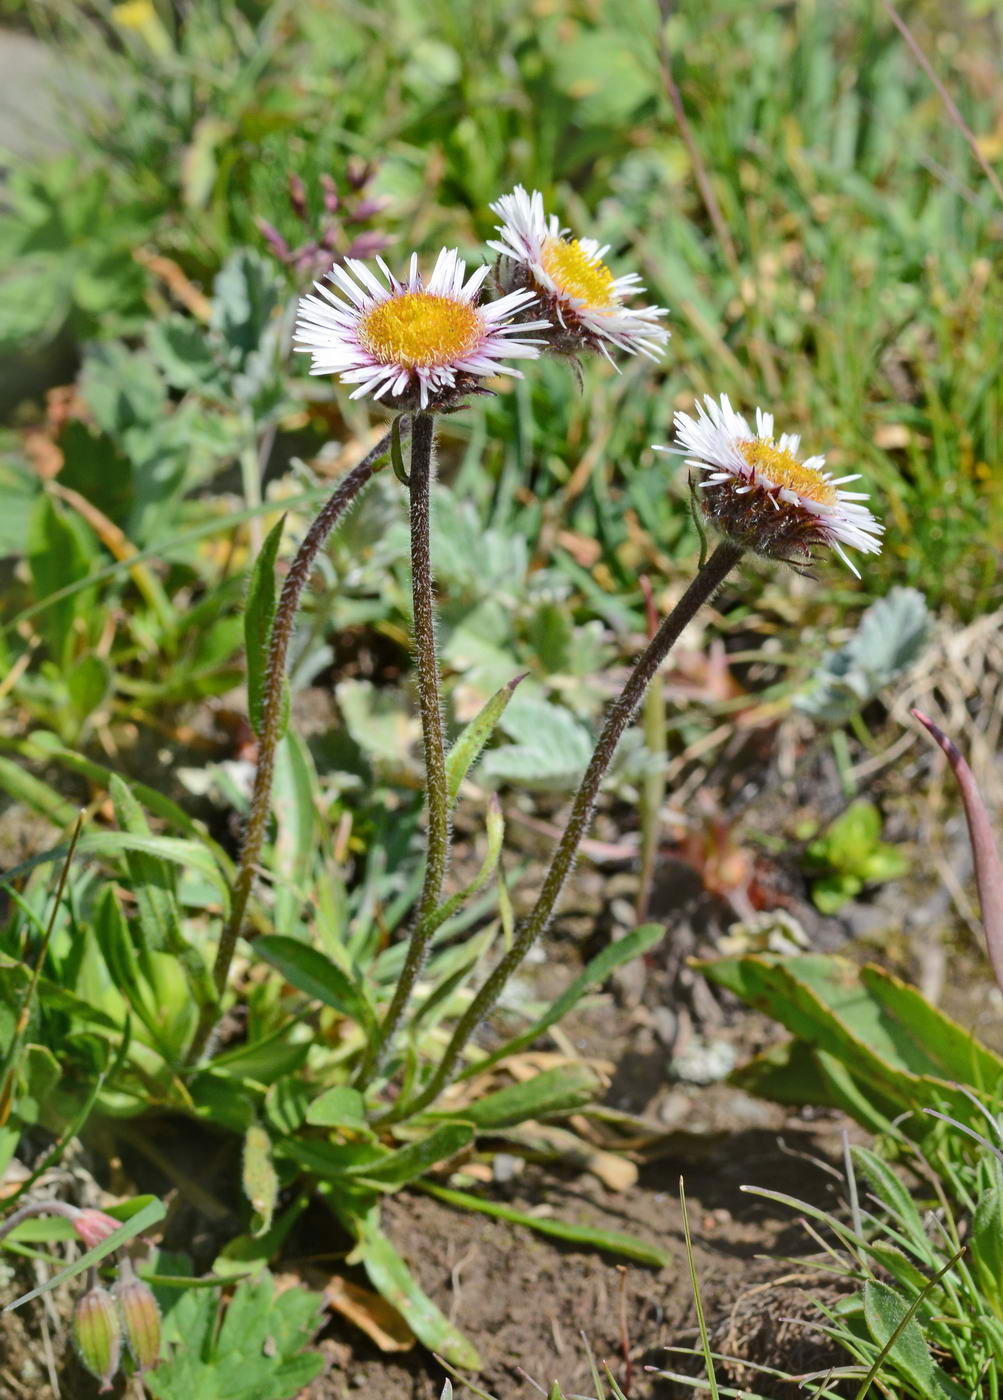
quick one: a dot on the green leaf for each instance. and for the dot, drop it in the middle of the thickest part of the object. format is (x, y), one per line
(986, 1244)
(885, 1312)
(286, 1103)
(152, 878)
(22, 786)
(181, 348)
(341, 1107)
(468, 746)
(611, 1241)
(410, 1162)
(259, 615)
(245, 296)
(257, 1353)
(56, 558)
(614, 955)
(391, 1277)
(89, 684)
(561, 1090)
(893, 1042)
(259, 1177)
(551, 750)
(311, 973)
(113, 844)
(294, 793)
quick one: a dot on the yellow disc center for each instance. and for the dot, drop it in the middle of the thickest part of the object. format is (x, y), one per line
(420, 328)
(578, 273)
(782, 468)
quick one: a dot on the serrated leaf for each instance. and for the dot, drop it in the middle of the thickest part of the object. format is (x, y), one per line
(256, 1354)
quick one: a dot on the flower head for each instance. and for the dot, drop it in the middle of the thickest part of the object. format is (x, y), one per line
(763, 495)
(424, 344)
(572, 281)
(93, 1226)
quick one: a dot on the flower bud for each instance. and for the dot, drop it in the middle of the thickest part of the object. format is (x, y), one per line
(93, 1226)
(140, 1318)
(97, 1334)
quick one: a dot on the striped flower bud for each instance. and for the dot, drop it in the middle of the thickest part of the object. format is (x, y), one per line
(97, 1334)
(140, 1317)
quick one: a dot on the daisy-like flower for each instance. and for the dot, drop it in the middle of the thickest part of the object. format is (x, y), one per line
(763, 495)
(424, 344)
(572, 281)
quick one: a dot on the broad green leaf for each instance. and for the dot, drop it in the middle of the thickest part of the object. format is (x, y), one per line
(328, 1160)
(614, 955)
(885, 1034)
(258, 1352)
(885, 1311)
(467, 747)
(410, 1162)
(245, 296)
(265, 1058)
(311, 973)
(551, 747)
(89, 684)
(259, 615)
(341, 1107)
(561, 1090)
(611, 1241)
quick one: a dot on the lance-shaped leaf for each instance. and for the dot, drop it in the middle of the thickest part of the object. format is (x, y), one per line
(309, 971)
(563, 1089)
(259, 616)
(467, 748)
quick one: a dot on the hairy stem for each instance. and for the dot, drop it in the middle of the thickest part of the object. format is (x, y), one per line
(271, 717)
(621, 712)
(433, 741)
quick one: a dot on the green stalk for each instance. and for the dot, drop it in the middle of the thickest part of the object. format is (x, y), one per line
(271, 718)
(707, 581)
(433, 740)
